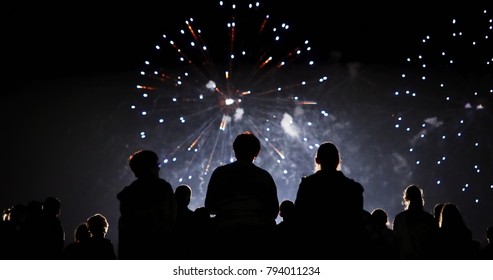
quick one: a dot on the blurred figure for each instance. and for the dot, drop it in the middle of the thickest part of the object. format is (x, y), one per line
(183, 195)
(329, 207)
(455, 238)
(286, 230)
(185, 222)
(382, 243)
(77, 250)
(12, 237)
(202, 246)
(147, 212)
(99, 247)
(243, 198)
(415, 230)
(46, 237)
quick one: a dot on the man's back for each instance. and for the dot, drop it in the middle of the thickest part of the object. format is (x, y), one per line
(328, 193)
(242, 194)
(329, 209)
(415, 232)
(145, 223)
(243, 198)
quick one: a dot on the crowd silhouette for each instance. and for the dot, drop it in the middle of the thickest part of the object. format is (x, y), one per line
(326, 220)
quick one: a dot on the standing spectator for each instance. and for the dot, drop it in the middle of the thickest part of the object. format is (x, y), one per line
(382, 243)
(185, 223)
(415, 229)
(286, 231)
(243, 198)
(77, 250)
(99, 247)
(454, 237)
(48, 239)
(329, 208)
(147, 211)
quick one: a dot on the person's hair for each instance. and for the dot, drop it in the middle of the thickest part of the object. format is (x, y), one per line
(450, 217)
(413, 197)
(437, 210)
(82, 233)
(327, 156)
(97, 224)
(143, 162)
(379, 217)
(246, 146)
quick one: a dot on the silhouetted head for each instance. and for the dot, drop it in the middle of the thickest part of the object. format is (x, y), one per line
(52, 206)
(379, 217)
(82, 233)
(450, 217)
(97, 225)
(183, 194)
(328, 156)
(286, 209)
(144, 164)
(246, 146)
(413, 197)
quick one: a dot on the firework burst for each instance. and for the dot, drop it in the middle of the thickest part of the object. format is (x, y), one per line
(223, 73)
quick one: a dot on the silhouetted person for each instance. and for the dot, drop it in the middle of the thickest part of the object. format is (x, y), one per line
(286, 231)
(329, 208)
(382, 243)
(455, 238)
(99, 247)
(147, 212)
(486, 252)
(415, 230)
(183, 195)
(47, 240)
(31, 227)
(12, 239)
(243, 198)
(203, 247)
(185, 222)
(286, 212)
(77, 250)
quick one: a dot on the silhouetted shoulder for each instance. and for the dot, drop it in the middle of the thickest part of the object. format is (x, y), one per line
(335, 177)
(143, 187)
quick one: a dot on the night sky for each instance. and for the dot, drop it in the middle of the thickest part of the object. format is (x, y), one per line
(70, 76)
